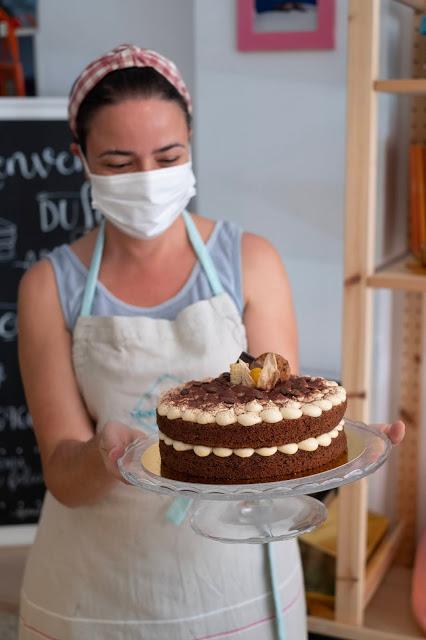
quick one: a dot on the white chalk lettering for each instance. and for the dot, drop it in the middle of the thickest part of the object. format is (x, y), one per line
(58, 210)
(23, 513)
(15, 418)
(3, 376)
(63, 210)
(91, 216)
(31, 257)
(8, 326)
(18, 163)
(66, 163)
(17, 473)
(38, 164)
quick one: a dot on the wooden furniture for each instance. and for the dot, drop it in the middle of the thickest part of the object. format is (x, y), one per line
(373, 603)
(11, 71)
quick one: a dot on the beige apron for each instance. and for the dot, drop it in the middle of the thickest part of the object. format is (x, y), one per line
(119, 568)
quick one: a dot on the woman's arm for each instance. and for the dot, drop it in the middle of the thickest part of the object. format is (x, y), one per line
(74, 459)
(269, 315)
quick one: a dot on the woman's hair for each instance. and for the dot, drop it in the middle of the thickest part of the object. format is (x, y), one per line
(141, 82)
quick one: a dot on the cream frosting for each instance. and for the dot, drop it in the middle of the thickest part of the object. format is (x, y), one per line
(255, 411)
(310, 444)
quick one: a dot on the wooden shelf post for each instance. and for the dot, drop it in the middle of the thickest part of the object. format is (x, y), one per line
(361, 181)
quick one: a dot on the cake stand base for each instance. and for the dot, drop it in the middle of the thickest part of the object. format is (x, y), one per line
(264, 511)
(257, 520)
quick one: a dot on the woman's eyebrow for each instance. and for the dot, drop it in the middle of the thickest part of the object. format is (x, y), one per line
(169, 146)
(122, 152)
(115, 152)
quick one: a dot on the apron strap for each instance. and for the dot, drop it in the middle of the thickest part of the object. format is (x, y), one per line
(279, 616)
(92, 278)
(197, 244)
(202, 254)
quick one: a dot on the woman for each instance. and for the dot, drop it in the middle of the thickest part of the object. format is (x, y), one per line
(105, 324)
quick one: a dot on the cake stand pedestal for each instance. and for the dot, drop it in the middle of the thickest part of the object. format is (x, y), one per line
(261, 512)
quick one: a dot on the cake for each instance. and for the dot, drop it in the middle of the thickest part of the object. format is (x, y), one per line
(256, 423)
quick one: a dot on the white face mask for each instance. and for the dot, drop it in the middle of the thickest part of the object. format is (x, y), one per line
(145, 203)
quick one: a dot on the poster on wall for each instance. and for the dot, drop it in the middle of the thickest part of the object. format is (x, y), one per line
(278, 25)
(44, 202)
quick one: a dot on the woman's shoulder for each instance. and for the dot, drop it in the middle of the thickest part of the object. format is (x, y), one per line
(255, 249)
(41, 277)
(83, 247)
(37, 292)
(254, 246)
(207, 227)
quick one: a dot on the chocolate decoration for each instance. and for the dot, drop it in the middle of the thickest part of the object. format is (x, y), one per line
(246, 357)
(207, 394)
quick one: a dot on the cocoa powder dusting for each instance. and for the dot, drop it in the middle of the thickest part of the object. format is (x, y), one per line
(209, 393)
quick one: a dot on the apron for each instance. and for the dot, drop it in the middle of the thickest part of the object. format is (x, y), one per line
(120, 569)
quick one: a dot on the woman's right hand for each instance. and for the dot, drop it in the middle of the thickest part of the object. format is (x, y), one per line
(112, 442)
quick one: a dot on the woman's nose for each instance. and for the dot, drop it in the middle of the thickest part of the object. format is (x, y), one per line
(146, 164)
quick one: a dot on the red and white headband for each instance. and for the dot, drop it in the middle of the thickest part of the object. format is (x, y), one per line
(122, 57)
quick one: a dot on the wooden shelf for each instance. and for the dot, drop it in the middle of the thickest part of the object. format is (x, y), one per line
(397, 275)
(387, 617)
(408, 86)
(381, 560)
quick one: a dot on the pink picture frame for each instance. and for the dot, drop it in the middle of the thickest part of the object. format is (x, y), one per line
(248, 39)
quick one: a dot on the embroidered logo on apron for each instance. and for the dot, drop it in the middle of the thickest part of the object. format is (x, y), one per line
(144, 411)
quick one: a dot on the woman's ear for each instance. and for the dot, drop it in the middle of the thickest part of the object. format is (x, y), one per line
(77, 151)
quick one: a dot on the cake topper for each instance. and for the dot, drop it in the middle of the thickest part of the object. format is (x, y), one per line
(263, 372)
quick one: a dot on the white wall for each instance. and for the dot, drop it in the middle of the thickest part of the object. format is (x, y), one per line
(270, 130)
(73, 32)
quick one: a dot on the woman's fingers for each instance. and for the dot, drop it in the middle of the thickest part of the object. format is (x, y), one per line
(113, 441)
(395, 431)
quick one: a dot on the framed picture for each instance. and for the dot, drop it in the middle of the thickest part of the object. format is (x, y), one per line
(277, 25)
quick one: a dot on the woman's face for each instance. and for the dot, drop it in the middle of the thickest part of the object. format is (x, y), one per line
(137, 134)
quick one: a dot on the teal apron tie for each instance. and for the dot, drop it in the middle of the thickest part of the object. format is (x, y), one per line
(279, 617)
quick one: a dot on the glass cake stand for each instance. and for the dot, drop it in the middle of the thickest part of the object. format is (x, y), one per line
(262, 512)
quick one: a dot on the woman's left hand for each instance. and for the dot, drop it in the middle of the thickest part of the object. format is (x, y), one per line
(394, 431)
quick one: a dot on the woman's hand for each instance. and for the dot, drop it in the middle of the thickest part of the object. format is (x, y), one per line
(394, 431)
(113, 440)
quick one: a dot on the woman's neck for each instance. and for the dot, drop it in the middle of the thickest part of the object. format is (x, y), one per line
(122, 248)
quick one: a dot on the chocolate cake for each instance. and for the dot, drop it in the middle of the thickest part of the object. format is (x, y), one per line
(257, 423)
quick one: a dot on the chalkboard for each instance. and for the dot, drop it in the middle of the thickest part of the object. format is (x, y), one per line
(44, 202)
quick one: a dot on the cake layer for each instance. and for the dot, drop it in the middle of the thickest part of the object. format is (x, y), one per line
(255, 468)
(178, 475)
(309, 444)
(262, 434)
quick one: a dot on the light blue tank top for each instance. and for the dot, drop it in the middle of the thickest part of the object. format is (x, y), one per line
(224, 248)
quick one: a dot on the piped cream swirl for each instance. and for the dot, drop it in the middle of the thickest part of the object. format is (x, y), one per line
(310, 444)
(255, 412)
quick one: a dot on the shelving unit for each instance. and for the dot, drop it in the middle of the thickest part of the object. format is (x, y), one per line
(373, 602)
(401, 273)
(407, 86)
